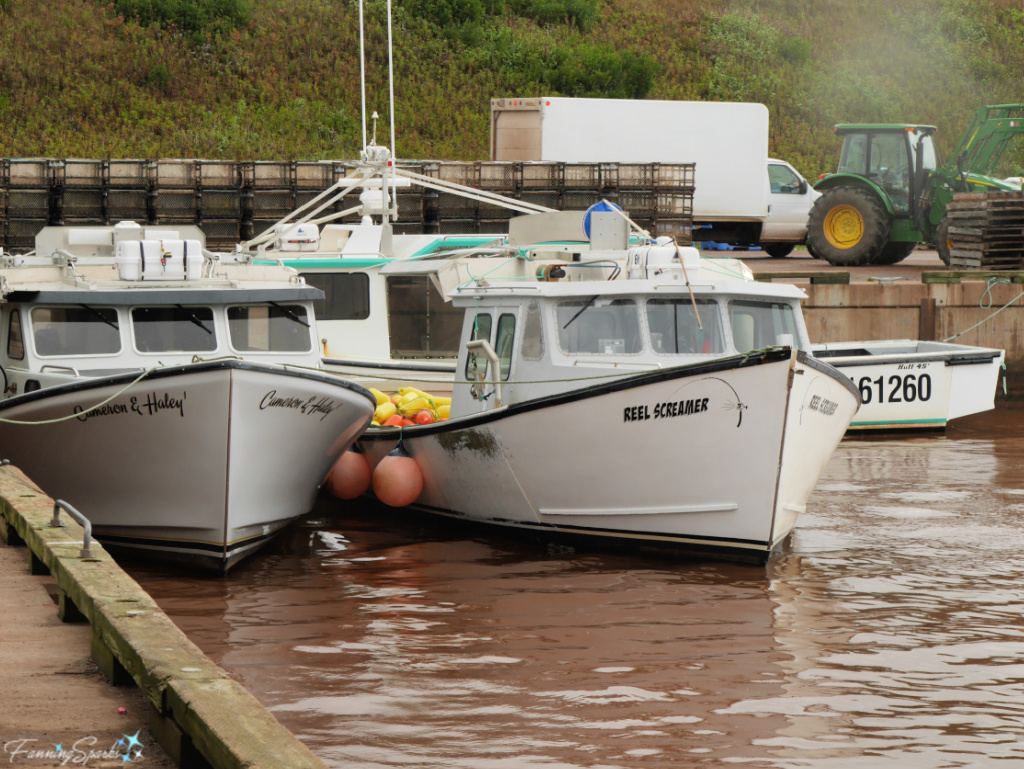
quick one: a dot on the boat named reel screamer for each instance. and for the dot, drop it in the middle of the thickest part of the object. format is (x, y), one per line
(172, 396)
(635, 395)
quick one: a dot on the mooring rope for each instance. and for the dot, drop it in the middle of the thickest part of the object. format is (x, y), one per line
(120, 392)
(991, 282)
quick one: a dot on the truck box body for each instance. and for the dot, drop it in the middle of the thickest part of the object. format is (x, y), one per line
(728, 142)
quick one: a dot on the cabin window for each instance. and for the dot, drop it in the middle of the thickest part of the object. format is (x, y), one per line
(420, 322)
(78, 330)
(476, 363)
(174, 329)
(595, 326)
(15, 342)
(269, 328)
(504, 342)
(346, 295)
(679, 328)
(533, 333)
(759, 324)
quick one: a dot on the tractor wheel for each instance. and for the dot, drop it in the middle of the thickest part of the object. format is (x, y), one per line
(942, 242)
(847, 226)
(894, 252)
(777, 250)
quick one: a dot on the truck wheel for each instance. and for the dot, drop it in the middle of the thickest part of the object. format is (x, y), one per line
(942, 242)
(894, 252)
(847, 226)
(777, 250)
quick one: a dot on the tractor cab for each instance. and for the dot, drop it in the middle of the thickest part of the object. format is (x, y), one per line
(897, 159)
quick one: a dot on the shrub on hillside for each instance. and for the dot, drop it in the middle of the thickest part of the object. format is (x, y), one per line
(576, 13)
(196, 17)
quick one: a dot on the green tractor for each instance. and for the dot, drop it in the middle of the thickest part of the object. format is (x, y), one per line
(890, 193)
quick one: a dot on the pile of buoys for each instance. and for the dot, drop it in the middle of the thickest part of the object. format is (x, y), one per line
(397, 480)
(408, 406)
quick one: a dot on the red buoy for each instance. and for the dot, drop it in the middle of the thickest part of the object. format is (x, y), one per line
(349, 477)
(397, 479)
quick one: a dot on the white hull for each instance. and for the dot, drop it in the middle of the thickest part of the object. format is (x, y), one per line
(612, 462)
(228, 455)
(909, 385)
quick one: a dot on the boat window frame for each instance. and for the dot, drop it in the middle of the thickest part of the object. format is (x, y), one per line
(702, 302)
(771, 305)
(415, 307)
(81, 307)
(583, 305)
(360, 281)
(212, 320)
(308, 317)
(14, 323)
(476, 363)
(504, 351)
(533, 346)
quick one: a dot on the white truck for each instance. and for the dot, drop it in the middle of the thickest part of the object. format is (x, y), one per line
(741, 196)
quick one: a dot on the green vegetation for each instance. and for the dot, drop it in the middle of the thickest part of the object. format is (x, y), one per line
(279, 79)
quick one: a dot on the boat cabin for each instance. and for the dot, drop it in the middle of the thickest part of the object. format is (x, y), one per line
(549, 336)
(133, 302)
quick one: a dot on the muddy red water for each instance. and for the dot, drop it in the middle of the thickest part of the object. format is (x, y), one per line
(889, 629)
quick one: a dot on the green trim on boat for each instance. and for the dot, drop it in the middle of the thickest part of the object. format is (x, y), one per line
(434, 246)
(899, 422)
(306, 264)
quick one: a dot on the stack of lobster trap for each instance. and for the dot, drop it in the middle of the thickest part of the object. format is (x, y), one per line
(986, 231)
(233, 201)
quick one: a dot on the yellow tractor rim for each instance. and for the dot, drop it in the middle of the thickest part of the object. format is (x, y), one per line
(844, 226)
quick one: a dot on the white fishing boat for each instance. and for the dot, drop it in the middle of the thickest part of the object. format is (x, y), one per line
(911, 385)
(173, 397)
(670, 404)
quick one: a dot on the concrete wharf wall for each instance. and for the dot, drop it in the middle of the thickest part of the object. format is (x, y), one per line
(198, 714)
(233, 201)
(926, 311)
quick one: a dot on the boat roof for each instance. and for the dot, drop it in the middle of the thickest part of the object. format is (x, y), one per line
(470, 294)
(95, 280)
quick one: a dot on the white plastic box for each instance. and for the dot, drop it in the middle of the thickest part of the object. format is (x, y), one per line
(298, 237)
(159, 259)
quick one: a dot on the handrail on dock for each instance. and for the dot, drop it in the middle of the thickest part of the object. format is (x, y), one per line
(58, 505)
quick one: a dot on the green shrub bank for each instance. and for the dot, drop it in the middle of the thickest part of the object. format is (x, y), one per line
(274, 79)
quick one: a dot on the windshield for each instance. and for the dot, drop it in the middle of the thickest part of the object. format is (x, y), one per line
(676, 328)
(174, 329)
(83, 330)
(599, 327)
(269, 328)
(756, 325)
(884, 159)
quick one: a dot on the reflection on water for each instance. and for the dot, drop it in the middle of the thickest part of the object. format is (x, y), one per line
(888, 629)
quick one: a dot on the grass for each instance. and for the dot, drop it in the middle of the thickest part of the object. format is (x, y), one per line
(279, 79)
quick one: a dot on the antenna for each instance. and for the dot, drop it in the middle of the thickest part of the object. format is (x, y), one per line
(362, 65)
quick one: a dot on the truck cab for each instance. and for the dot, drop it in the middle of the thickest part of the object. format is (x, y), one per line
(789, 202)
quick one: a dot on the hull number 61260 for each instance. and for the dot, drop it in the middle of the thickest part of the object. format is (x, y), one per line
(897, 389)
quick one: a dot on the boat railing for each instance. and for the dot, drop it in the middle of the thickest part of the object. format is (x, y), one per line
(62, 369)
(484, 347)
(55, 522)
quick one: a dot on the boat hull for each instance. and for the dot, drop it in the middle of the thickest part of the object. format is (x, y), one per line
(200, 463)
(715, 458)
(910, 385)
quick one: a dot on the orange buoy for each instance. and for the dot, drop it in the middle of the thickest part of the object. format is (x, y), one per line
(349, 477)
(397, 479)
